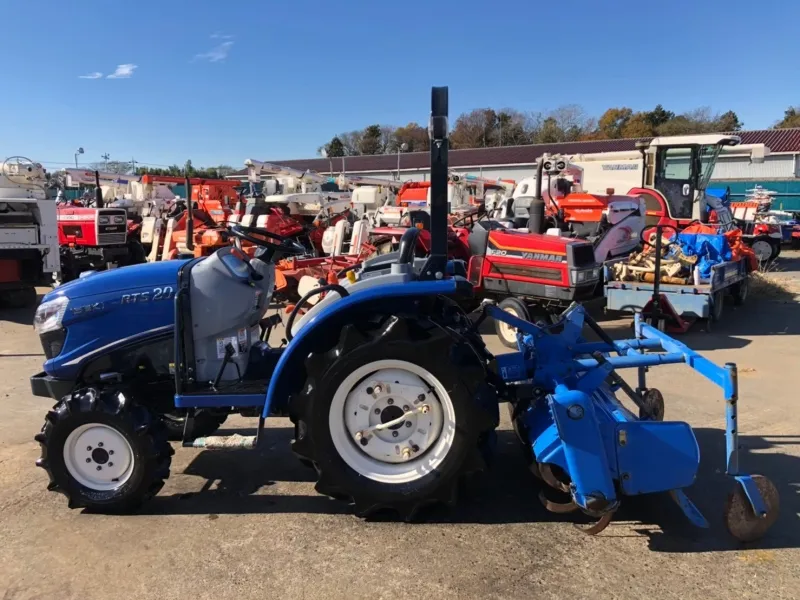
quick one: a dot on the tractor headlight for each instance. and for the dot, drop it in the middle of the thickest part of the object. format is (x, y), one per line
(119, 219)
(584, 275)
(103, 220)
(50, 314)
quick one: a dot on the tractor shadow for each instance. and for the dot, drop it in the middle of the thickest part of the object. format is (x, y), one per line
(505, 494)
(236, 481)
(23, 316)
(759, 455)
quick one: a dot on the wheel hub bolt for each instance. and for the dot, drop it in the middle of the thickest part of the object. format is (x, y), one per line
(88, 448)
(406, 408)
(377, 411)
(99, 444)
(390, 401)
(111, 452)
(110, 464)
(364, 441)
(88, 460)
(395, 434)
(421, 397)
(408, 423)
(99, 468)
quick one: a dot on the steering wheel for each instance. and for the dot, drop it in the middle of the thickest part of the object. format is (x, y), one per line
(651, 232)
(287, 246)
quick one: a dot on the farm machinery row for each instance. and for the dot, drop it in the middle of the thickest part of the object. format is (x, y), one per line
(393, 395)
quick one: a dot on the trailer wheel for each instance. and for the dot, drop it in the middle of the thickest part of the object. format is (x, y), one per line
(205, 423)
(433, 386)
(103, 451)
(740, 291)
(507, 333)
(717, 302)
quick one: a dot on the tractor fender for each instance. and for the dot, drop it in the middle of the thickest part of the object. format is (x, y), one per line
(385, 298)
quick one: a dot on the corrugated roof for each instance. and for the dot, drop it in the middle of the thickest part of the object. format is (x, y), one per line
(777, 140)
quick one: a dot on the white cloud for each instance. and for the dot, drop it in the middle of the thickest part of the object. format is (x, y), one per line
(122, 72)
(221, 36)
(217, 53)
(95, 75)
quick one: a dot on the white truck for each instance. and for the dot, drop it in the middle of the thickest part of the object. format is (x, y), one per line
(28, 232)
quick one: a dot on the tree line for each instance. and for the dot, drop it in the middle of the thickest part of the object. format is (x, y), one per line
(486, 127)
(130, 168)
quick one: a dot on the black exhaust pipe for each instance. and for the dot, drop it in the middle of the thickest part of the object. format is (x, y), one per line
(536, 209)
(189, 216)
(436, 265)
(98, 193)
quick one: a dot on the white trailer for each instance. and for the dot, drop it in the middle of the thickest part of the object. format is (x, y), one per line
(28, 232)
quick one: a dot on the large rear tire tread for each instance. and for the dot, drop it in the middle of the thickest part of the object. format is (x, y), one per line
(455, 360)
(146, 435)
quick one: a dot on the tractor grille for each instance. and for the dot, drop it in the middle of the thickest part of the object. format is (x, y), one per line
(524, 271)
(111, 239)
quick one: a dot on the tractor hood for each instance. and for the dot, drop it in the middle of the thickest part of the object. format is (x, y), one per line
(118, 280)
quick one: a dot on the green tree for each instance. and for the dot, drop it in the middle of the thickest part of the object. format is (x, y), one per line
(334, 148)
(791, 118)
(370, 142)
(550, 132)
(659, 116)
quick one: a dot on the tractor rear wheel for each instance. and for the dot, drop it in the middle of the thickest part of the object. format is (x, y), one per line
(103, 451)
(395, 415)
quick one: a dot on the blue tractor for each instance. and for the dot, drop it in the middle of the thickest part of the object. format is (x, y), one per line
(393, 395)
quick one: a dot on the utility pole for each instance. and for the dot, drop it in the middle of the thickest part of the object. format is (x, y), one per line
(133, 166)
(105, 157)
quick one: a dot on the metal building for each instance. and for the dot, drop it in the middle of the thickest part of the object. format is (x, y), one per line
(780, 172)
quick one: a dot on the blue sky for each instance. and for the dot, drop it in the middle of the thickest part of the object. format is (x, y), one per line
(219, 82)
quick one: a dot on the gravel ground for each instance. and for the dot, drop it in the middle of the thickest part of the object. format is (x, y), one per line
(250, 525)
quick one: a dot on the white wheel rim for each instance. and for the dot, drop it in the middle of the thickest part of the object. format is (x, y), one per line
(98, 457)
(417, 449)
(762, 248)
(507, 332)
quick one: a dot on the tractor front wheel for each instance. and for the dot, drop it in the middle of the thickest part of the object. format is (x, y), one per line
(507, 333)
(394, 415)
(103, 451)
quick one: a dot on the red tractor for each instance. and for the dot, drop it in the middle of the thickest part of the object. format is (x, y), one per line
(93, 237)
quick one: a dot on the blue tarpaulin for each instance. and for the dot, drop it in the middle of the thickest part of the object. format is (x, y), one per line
(709, 249)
